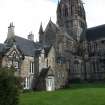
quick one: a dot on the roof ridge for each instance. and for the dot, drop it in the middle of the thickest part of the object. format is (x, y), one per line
(24, 39)
(95, 27)
(95, 33)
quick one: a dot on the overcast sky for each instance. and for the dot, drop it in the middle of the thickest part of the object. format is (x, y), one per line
(28, 14)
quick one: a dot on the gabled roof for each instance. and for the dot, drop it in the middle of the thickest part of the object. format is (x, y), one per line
(50, 32)
(95, 33)
(51, 26)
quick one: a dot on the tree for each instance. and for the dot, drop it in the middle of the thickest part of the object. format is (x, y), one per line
(9, 89)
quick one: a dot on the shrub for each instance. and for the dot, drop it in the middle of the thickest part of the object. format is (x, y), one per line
(9, 89)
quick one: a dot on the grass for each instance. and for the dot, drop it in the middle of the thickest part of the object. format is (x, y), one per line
(77, 94)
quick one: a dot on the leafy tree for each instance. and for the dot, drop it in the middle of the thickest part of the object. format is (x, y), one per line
(9, 87)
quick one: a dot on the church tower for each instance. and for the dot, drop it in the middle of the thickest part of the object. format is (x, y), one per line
(71, 17)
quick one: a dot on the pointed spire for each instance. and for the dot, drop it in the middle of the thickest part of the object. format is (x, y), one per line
(41, 34)
(50, 19)
(41, 29)
(58, 4)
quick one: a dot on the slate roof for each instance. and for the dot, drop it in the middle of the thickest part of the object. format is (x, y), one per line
(26, 46)
(95, 33)
(1, 47)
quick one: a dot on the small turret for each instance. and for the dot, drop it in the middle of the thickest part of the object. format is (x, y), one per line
(41, 29)
(11, 32)
(41, 34)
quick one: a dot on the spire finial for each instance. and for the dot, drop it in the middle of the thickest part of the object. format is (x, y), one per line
(10, 24)
(41, 24)
(50, 18)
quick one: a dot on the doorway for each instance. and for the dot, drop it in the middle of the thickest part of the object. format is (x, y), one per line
(50, 85)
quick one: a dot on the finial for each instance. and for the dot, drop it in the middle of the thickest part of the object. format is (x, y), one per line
(11, 25)
(30, 33)
(50, 18)
(41, 24)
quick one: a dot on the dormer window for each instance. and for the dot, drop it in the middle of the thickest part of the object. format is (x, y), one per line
(13, 58)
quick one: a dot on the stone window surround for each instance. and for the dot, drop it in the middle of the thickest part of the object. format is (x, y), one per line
(32, 67)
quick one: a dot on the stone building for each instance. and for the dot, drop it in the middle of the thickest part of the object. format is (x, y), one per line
(66, 51)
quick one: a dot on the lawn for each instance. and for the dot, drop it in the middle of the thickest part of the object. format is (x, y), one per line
(77, 94)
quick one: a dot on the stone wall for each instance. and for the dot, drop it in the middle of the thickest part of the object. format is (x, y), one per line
(25, 66)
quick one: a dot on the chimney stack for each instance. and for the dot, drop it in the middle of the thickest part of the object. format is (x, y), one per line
(31, 36)
(11, 32)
